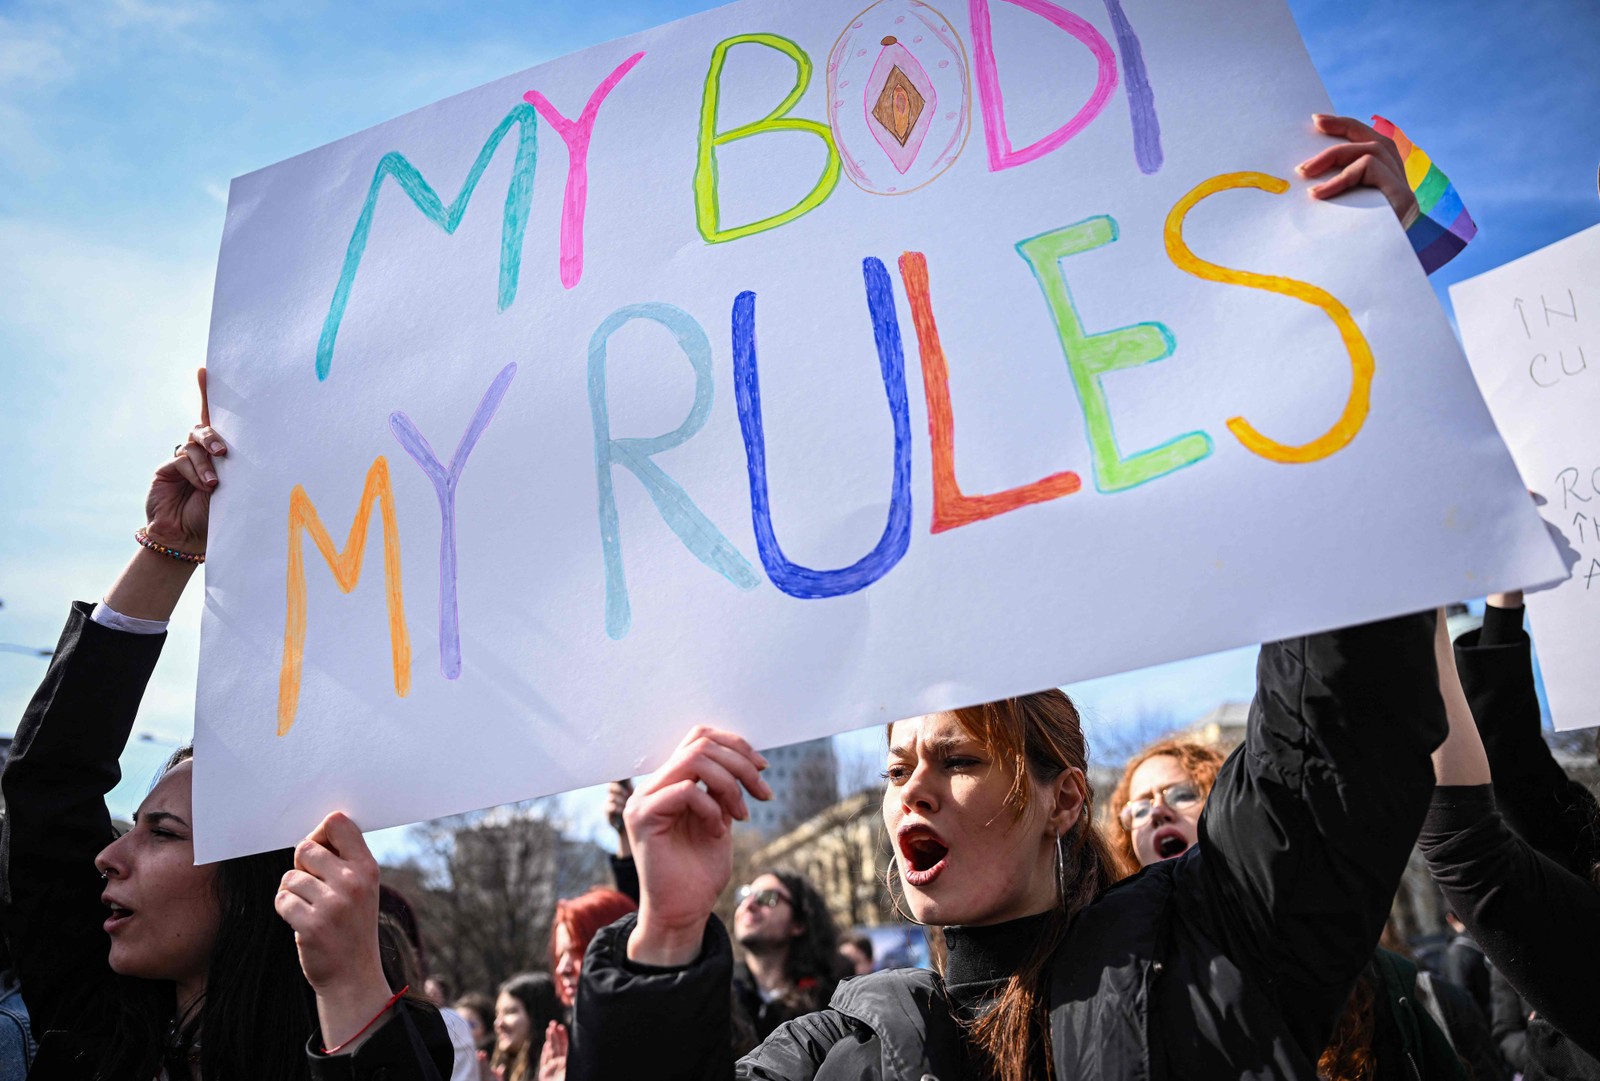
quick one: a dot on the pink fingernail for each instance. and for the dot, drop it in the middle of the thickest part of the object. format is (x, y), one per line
(210, 478)
(216, 448)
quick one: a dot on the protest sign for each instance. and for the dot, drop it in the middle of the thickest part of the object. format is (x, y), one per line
(798, 367)
(1532, 333)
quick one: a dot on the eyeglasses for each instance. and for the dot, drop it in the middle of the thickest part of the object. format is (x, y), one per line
(768, 898)
(1177, 797)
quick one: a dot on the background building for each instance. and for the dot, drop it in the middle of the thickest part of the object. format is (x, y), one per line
(804, 779)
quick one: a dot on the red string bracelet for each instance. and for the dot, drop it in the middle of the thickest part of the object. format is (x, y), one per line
(369, 1024)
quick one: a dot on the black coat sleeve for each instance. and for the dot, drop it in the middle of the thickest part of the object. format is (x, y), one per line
(1508, 1019)
(413, 1045)
(1464, 965)
(1538, 923)
(1307, 831)
(638, 1021)
(626, 874)
(1540, 803)
(62, 763)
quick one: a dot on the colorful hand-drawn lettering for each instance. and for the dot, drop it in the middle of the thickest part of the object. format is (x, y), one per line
(707, 204)
(1362, 365)
(445, 481)
(951, 506)
(576, 134)
(992, 101)
(1092, 357)
(685, 519)
(793, 579)
(519, 195)
(346, 567)
(1141, 98)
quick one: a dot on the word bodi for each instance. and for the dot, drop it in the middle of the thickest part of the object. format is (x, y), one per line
(902, 125)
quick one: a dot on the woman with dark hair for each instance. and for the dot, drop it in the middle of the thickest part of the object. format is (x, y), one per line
(477, 1009)
(139, 964)
(524, 1012)
(1513, 844)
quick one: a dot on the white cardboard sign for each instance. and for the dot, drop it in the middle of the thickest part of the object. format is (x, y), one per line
(1532, 333)
(797, 367)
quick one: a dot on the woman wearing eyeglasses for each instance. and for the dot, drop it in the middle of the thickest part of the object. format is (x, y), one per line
(1157, 802)
(1383, 1034)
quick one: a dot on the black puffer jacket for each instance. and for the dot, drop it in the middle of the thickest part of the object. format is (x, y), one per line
(62, 764)
(1232, 961)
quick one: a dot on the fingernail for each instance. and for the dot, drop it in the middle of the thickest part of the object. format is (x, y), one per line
(216, 448)
(763, 760)
(210, 478)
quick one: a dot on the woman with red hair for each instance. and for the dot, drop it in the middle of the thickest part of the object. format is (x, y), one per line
(1158, 800)
(577, 921)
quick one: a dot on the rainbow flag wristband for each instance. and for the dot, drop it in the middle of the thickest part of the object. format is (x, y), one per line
(1443, 226)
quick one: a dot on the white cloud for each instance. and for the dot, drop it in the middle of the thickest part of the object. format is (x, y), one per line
(29, 55)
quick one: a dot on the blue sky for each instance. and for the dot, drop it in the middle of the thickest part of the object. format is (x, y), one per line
(122, 122)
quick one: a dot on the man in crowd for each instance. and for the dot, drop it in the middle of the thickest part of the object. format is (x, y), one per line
(791, 950)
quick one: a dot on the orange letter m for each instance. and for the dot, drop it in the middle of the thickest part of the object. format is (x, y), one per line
(346, 567)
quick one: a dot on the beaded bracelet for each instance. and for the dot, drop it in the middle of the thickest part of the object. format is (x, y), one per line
(369, 1024)
(171, 553)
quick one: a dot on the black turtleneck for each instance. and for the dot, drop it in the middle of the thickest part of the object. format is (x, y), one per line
(982, 959)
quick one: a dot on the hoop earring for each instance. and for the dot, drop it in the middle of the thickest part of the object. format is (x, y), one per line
(1061, 874)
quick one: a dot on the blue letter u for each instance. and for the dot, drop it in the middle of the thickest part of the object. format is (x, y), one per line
(793, 579)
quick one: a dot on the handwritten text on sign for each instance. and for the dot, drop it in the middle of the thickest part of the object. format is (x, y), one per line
(1530, 329)
(695, 217)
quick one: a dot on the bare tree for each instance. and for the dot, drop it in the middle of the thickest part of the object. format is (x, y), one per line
(1113, 741)
(859, 770)
(485, 886)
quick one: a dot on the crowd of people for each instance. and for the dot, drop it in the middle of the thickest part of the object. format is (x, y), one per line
(1227, 919)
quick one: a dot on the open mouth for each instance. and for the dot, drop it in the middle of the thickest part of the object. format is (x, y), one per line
(1170, 843)
(922, 854)
(118, 918)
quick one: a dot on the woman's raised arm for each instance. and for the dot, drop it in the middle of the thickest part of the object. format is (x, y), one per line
(661, 979)
(63, 761)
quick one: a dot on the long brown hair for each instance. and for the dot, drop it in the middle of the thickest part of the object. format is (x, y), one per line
(536, 991)
(1348, 1056)
(1037, 737)
(1200, 761)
